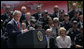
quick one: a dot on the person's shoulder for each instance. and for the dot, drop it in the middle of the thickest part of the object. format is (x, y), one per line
(57, 37)
(35, 13)
(78, 35)
(70, 30)
(68, 36)
(10, 22)
(71, 11)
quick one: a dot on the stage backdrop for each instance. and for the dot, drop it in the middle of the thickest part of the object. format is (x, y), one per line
(31, 5)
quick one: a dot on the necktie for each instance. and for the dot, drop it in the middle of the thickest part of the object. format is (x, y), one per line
(19, 26)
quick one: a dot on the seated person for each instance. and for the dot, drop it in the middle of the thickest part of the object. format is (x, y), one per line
(79, 39)
(55, 28)
(73, 32)
(63, 41)
(50, 24)
(24, 27)
(61, 19)
(66, 23)
(50, 40)
(32, 24)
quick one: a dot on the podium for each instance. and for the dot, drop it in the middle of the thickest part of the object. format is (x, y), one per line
(32, 39)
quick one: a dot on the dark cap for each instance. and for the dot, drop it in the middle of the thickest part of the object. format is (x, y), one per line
(66, 14)
(45, 12)
(61, 11)
(74, 22)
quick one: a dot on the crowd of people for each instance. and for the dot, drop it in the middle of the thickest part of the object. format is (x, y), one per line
(63, 30)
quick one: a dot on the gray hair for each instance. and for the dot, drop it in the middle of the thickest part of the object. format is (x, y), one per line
(48, 30)
(55, 19)
(23, 7)
(16, 12)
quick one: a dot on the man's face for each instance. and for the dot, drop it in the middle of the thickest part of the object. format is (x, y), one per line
(74, 25)
(61, 14)
(66, 18)
(39, 9)
(48, 32)
(77, 14)
(74, 6)
(56, 24)
(7, 10)
(45, 15)
(81, 18)
(28, 17)
(50, 20)
(23, 25)
(56, 9)
(24, 10)
(17, 17)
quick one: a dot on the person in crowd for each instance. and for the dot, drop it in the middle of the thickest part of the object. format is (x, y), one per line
(56, 11)
(24, 27)
(38, 14)
(32, 24)
(79, 39)
(61, 19)
(8, 13)
(66, 23)
(5, 18)
(24, 11)
(50, 40)
(50, 24)
(39, 27)
(44, 19)
(63, 41)
(13, 29)
(76, 16)
(72, 32)
(80, 23)
(56, 27)
(74, 8)
(28, 17)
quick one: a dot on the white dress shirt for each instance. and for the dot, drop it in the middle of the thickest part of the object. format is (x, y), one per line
(48, 41)
(66, 43)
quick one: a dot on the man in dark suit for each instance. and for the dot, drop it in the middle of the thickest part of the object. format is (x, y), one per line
(56, 12)
(50, 40)
(74, 8)
(38, 14)
(73, 32)
(13, 29)
(28, 17)
(24, 11)
(5, 18)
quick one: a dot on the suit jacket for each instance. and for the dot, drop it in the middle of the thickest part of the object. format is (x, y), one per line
(13, 31)
(51, 42)
(55, 15)
(22, 18)
(72, 12)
